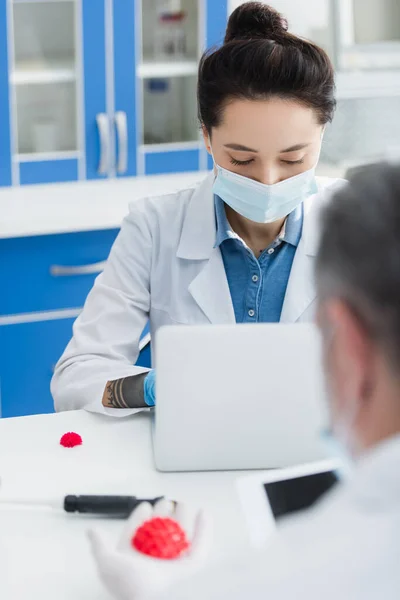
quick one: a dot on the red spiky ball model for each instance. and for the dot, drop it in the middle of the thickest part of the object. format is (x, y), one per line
(71, 439)
(161, 537)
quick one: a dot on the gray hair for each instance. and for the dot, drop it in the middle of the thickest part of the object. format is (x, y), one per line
(359, 253)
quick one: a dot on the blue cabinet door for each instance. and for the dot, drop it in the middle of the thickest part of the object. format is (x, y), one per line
(153, 89)
(217, 16)
(109, 115)
(50, 96)
(94, 32)
(5, 141)
(28, 354)
(125, 23)
(93, 138)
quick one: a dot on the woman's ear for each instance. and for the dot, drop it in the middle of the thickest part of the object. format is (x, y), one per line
(206, 138)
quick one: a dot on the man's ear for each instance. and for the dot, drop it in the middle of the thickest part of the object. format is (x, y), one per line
(206, 138)
(353, 352)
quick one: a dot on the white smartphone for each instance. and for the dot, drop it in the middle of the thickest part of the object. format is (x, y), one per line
(270, 495)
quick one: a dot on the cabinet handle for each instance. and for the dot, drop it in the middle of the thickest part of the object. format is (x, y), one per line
(121, 124)
(104, 135)
(92, 269)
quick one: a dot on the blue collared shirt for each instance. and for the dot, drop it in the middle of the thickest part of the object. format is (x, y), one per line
(258, 286)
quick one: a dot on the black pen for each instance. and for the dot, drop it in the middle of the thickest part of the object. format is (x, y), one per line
(119, 507)
(109, 506)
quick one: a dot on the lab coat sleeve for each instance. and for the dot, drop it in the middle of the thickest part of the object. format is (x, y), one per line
(248, 575)
(105, 342)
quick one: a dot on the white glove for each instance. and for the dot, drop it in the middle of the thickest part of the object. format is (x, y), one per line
(131, 575)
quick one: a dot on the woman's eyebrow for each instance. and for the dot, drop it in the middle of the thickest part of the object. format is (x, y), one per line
(294, 148)
(239, 147)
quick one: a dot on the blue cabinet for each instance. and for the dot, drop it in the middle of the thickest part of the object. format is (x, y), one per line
(98, 89)
(28, 354)
(5, 137)
(89, 89)
(45, 281)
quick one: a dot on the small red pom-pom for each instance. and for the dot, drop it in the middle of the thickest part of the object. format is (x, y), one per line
(71, 439)
(161, 538)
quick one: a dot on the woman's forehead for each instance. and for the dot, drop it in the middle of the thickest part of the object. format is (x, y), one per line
(268, 124)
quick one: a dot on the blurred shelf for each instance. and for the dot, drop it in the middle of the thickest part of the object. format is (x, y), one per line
(44, 156)
(367, 84)
(154, 69)
(170, 146)
(37, 72)
(377, 56)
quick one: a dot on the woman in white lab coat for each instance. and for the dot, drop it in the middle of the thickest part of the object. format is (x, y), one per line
(240, 246)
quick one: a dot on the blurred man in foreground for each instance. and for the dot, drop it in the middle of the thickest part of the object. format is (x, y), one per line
(347, 547)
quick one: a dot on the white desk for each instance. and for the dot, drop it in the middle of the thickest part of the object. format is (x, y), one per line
(45, 554)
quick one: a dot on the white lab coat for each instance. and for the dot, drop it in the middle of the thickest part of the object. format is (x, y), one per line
(164, 267)
(347, 548)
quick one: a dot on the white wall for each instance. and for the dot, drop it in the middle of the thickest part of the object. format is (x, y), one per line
(375, 20)
(307, 18)
(303, 17)
(232, 4)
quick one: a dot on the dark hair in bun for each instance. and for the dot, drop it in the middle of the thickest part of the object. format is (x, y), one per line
(260, 59)
(254, 20)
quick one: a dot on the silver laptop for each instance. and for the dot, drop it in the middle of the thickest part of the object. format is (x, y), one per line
(238, 397)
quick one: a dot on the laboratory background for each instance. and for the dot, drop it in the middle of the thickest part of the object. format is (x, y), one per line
(98, 108)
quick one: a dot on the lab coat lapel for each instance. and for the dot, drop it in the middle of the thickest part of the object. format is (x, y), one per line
(199, 228)
(210, 290)
(301, 291)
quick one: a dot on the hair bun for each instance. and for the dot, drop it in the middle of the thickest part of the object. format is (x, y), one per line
(255, 20)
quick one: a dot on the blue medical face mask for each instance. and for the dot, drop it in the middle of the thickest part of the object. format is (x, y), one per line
(261, 202)
(337, 450)
(336, 444)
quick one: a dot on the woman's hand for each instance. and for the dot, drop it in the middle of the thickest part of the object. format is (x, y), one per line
(150, 388)
(131, 575)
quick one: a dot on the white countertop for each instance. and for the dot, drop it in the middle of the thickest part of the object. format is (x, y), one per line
(87, 205)
(80, 206)
(45, 554)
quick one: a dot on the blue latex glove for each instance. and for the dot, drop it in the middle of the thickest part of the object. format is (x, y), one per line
(150, 388)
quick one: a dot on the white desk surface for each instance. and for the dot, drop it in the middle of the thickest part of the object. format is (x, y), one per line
(45, 554)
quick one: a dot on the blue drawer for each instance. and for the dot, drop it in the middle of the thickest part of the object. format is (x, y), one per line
(28, 354)
(35, 272)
